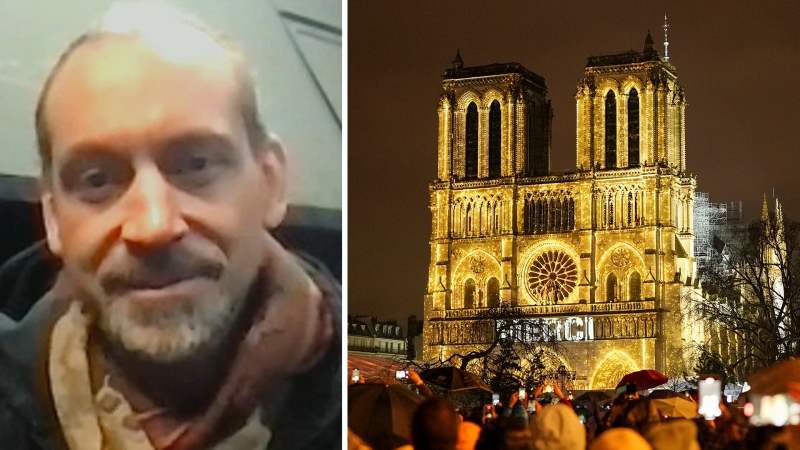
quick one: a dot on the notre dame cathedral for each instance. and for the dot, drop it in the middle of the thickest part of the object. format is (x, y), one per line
(604, 254)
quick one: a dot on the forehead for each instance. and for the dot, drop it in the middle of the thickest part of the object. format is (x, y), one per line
(123, 89)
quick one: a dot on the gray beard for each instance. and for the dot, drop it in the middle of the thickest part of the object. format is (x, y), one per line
(171, 334)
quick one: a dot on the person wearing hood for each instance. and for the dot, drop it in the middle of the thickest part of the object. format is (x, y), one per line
(557, 427)
(177, 321)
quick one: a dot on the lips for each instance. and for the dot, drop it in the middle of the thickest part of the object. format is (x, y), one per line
(183, 289)
(171, 278)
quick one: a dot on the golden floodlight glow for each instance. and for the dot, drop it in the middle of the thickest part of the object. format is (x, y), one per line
(604, 253)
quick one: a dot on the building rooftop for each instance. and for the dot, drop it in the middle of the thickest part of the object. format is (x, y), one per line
(648, 53)
(459, 71)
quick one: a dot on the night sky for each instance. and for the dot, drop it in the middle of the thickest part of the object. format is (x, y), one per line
(739, 66)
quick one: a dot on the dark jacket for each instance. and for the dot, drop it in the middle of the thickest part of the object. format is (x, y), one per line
(306, 414)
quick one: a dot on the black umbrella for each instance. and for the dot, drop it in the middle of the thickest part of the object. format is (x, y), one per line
(380, 413)
(593, 396)
(453, 379)
(665, 393)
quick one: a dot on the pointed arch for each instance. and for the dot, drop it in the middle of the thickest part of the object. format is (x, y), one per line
(611, 130)
(471, 142)
(571, 213)
(633, 128)
(545, 216)
(495, 140)
(611, 369)
(629, 204)
(469, 294)
(611, 287)
(635, 286)
(493, 292)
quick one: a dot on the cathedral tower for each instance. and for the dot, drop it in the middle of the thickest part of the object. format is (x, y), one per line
(603, 253)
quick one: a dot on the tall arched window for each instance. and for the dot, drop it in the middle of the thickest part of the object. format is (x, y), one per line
(611, 287)
(545, 217)
(493, 292)
(611, 200)
(526, 215)
(571, 214)
(469, 294)
(495, 139)
(611, 130)
(633, 128)
(630, 208)
(635, 286)
(471, 157)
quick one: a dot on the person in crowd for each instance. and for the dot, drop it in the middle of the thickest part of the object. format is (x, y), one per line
(620, 439)
(506, 433)
(468, 433)
(639, 414)
(517, 408)
(423, 390)
(557, 427)
(356, 443)
(673, 434)
(177, 321)
(435, 425)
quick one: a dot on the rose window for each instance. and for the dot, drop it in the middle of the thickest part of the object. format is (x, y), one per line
(551, 277)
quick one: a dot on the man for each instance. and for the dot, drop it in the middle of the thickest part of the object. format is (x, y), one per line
(177, 321)
(434, 425)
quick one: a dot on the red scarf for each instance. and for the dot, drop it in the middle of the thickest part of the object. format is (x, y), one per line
(290, 333)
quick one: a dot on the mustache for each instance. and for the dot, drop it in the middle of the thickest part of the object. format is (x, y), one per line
(158, 269)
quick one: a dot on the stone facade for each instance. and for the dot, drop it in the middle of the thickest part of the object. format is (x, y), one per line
(604, 253)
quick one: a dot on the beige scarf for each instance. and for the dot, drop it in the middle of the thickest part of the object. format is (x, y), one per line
(290, 334)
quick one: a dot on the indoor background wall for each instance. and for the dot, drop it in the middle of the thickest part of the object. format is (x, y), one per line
(295, 46)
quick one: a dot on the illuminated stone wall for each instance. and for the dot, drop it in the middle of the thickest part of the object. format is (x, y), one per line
(605, 253)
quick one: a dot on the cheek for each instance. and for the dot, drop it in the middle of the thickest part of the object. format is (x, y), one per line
(85, 237)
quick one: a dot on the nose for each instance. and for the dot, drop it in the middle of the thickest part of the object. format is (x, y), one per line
(152, 216)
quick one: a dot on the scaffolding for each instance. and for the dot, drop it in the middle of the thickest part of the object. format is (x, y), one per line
(708, 216)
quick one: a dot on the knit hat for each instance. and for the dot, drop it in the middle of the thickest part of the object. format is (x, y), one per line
(678, 433)
(616, 438)
(558, 427)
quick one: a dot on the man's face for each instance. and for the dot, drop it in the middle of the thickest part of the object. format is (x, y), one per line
(158, 205)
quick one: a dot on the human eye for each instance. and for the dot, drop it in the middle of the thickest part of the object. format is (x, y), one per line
(95, 179)
(196, 165)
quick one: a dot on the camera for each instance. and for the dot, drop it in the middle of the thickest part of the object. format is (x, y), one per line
(401, 374)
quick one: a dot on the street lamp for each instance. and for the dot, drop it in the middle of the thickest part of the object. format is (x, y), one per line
(562, 375)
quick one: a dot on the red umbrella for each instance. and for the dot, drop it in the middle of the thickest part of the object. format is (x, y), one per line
(644, 379)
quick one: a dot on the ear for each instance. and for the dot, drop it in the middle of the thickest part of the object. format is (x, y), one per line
(271, 159)
(50, 222)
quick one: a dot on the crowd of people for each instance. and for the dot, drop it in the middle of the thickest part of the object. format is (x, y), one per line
(629, 421)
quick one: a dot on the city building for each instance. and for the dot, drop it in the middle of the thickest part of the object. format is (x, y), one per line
(367, 334)
(604, 253)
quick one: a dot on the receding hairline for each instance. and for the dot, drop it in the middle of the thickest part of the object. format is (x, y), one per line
(225, 50)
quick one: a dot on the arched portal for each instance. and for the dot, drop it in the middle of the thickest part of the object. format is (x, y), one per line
(469, 293)
(611, 369)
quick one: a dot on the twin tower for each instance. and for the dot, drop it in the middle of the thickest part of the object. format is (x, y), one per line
(604, 253)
